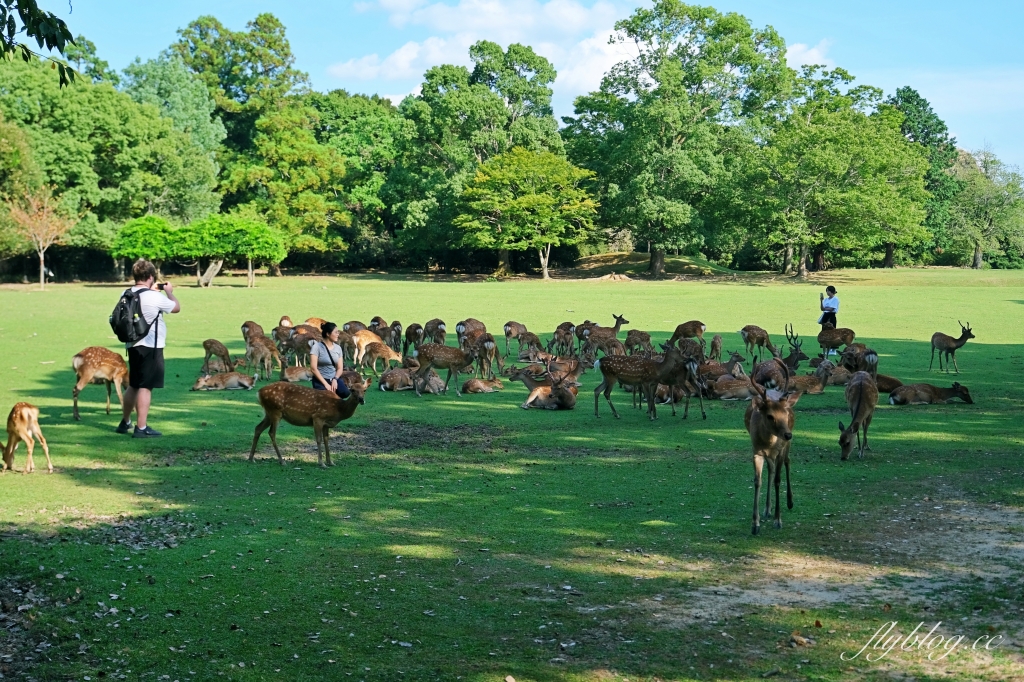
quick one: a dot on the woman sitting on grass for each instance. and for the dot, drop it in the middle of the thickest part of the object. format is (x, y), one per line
(325, 361)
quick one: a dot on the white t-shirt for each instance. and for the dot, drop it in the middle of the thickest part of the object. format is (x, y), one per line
(831, 304)
(154, 303)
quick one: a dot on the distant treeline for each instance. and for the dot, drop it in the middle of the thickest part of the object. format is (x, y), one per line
(705, 144)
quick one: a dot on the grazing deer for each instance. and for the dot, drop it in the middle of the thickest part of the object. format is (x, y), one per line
(716, 348)
(263, 354)
(694, 329)
(213, 347)
(862, 397)
(467, 326)
(228, 381)
(770, 423)
(250, 332)
(886, 383)
(353, 326)
(434, 331)
(23, 426)
(636, 371)
(860, 360)
(529, 342)
(555, 393)
(947, 345)
(431, 355)
(562, 341)
(830, 338)
(485, 347)
(513, 330)
(294, 375)
(315, 322)
(482, 385)
(413, 337)
(686, 376)
(581, 330)
(378, 351)
(304, 406)
(637, 340)
(361, 339)
(98, 365)
(395, 340)
(285, 321)
(755, 337)
(926, 394)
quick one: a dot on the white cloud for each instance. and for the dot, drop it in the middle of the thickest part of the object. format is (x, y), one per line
(799, 54)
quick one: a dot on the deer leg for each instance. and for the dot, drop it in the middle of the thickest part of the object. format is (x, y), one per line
(651, 390)
(778, 483)
(952, 355)
(768, 465)
(930, 362)
(318, 434)
(608, 397)
(867, 423)
(758, 466)
(108, 396)
(46, 449)
(29, 445)
(700, 399)
(120, 396)
(260, 428)
(74, 396)
(457, 393)
(327, 449)
(597, 394)
(206, 363)
(789, 488)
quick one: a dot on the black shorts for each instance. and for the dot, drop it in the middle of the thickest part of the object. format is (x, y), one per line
(145, 367)
(829, 317)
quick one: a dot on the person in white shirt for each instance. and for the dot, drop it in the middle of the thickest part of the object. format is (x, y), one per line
(146, 356)
(829, 306)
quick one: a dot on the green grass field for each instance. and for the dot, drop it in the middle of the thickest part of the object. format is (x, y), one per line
(469, 539)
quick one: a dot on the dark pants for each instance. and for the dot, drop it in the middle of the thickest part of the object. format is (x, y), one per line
(342, 391)
(145, 367)
(829, 317)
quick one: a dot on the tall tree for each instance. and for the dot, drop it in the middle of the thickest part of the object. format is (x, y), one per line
(524, 200)
(988, 212)
(82, 53)
(38, 220)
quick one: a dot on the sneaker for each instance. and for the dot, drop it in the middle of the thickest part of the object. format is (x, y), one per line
(124, 426)
(148, 432)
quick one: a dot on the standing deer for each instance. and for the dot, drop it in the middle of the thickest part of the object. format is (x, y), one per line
(315, 322)
(637, 340)
(926, 394)
(434, 355)
(947, 345)
(637, 371)
(862, 397)
(770, 425)
(304, 406)
(395, 341)
(23, 426)
(250, 332)
(378, 351)
(513, 330)
(435, 331)
(716, 348)
(830, 338)
(756, 337)
(263, 354)
(413, 337)
(468, 325)
(213, 347)
(595, 333)
(353, 326)
(98, 365)
(694, 329)
(485, 347)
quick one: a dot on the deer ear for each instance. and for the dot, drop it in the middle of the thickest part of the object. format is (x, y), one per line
(841, 427)
(793, 398)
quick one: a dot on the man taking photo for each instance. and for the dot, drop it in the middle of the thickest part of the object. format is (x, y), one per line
(146, 355)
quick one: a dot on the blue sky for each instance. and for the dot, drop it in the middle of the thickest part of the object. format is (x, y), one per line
(963, 57)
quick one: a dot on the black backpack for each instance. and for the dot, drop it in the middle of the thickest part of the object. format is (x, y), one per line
(127, 320)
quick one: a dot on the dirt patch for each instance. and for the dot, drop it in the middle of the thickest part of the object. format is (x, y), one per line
(397, 436)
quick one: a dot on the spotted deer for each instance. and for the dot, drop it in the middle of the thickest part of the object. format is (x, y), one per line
(22, 427)
(689, 330)
(98, 365)
(228, 381)
(215, 348)
(413, 337)
(637, 371)
(434, 355)
(756, 337)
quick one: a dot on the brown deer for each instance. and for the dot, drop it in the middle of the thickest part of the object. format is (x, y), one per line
(563, 341)
(356, 379)
(727, 388)
(353, 326)
(581, 330)
(315, 322)
(295, 375)
(468, 326)
(636, 371)
(395, 339)
(926, 394)
(512, 331)
(886, 383)
(812, 384)
(228, 381)
(716, 348)
(830, 338)
(215, 348)
(595, 333)
(487, 354)
(378, 351)
(860, 360)
(434, 355)
(250, 332)
(716, 369)
(694, 329)
(304, 406)
(413, 337)
(840, 376)
(529, 342)
(770, 423)
(285, 321)
(23, 426)
(755, 337)
(637, 340)
(361, 339)
(482, 385)
(862, 397)
(377, 322)
(796, 353)
(555, 393)
(434, 331)
(401, 379)
(98, 365)
(686, 376)
(947, 345)
(263, 354)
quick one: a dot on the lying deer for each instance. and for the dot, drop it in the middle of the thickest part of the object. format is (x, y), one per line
(98, 365)
(727, 388)
(431, 355)
(23, 426)
(947, 345)
(813, 384)
(295, 375)
(555, 393)
(716, 369)
(229, 381)
(770, 422)
(482, 385)
(304, 406)
(926, 394)
(862, 397)
(215, 348)
(886, 383)
(401, 379)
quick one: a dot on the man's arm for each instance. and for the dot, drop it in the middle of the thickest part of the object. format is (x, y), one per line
(169, 291)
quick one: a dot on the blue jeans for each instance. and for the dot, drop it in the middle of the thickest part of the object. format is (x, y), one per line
(342, 391)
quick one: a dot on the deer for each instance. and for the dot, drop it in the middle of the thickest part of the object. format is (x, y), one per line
(563, 341)
(862, 397)
(23, 426)
(228, 381)
(431, 355)
(813, 384)
(395, 341)
(434, 331)
(379, 351)
(356, 379)
(716, 369)
(595, 333)
(755, 337)
(315, 322)
(796, 353)
(556, 393)
(475, 385)
(530, 342)
(360, 340)
(353, 326)
(285, 321)
(413, 337)
(689, 330)
(401, 379)
(377, 322)
(295, 375)
(486, 349)
(637, 340)
(840, 376)
(467, 326)
(216, 366)
(886, 383)
(213, 347)
(727, 388)
(830, 338)
(512, 331)
(263, 354)
(948, 346)
(581, 330)
(716, 348)
(637, 371)
(687, 378)
(98, 365)
(304, 406)
(770, 423)
(926, 394)
(860, 360)
(250, 332)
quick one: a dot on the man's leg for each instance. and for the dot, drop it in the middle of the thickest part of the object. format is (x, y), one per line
(129, 405)
(143, 397)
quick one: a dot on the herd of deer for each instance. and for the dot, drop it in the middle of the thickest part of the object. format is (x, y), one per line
(686, 367)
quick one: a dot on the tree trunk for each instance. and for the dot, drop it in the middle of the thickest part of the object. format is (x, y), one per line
(657, 265)
(787, 260)
(119, 269)
(801, 270)
(819, 259)
(545, 256)
(274, 270)
(504, 262)
(211, 272)
(42, 271)
(890, 255)
(199, 273)
(252, 276)
(977, 256)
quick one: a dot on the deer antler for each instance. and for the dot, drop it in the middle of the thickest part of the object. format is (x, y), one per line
(785, 374)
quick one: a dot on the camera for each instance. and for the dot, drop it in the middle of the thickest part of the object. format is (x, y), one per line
(160, 285)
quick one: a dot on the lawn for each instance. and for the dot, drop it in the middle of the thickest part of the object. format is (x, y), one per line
(465, 538)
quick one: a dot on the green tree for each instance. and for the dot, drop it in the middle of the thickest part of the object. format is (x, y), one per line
(254, 241)
(82, 53)
(524, 200)
(988, 212)
(49, 31)
(151, 237)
